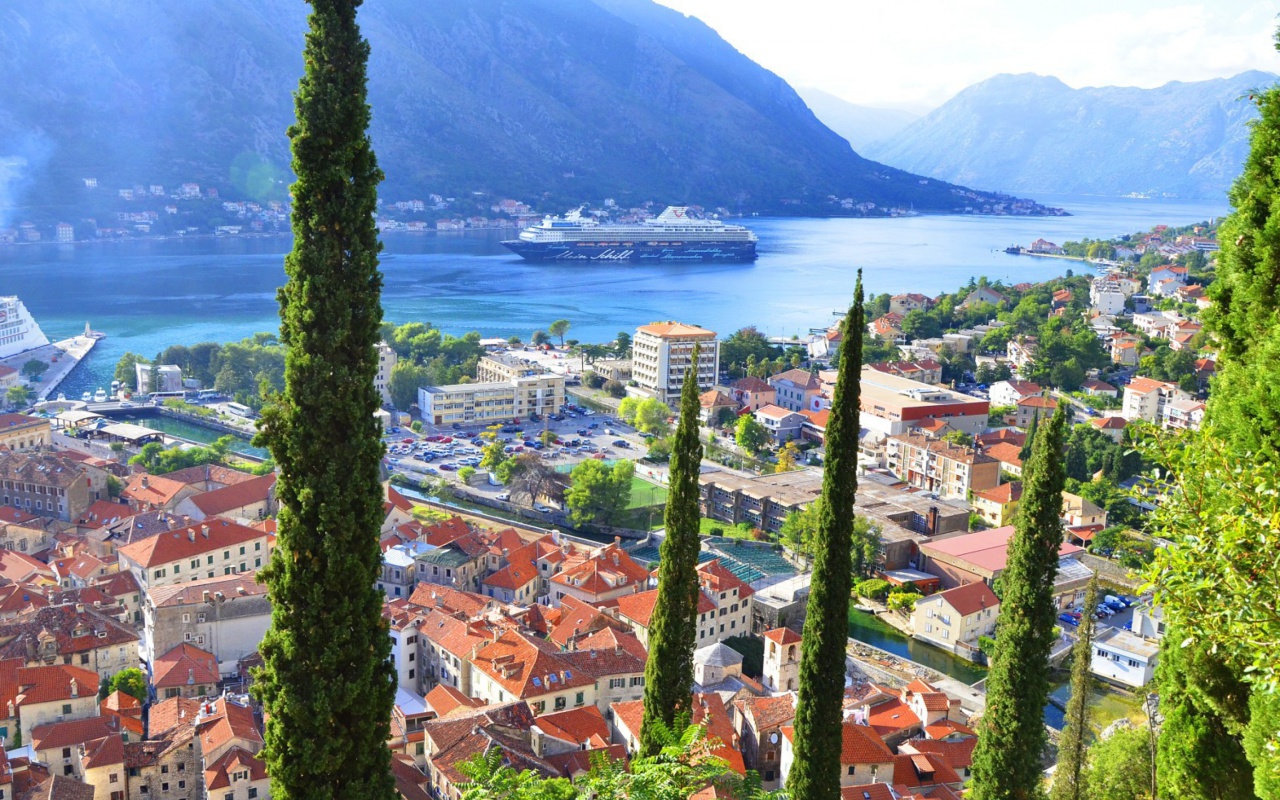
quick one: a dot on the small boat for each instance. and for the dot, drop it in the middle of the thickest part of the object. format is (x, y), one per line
(100, 396)
(62, 397)
(86, 397)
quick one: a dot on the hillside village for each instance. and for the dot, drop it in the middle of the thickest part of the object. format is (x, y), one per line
(533, 639)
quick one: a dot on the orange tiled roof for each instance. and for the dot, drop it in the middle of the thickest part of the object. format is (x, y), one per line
(180, 544)
(236, 496)
(185, 665)
(672, 330)
(53, 683)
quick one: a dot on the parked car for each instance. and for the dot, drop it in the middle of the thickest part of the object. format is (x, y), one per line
(543, 508)
(504, 496)
(1067, 618)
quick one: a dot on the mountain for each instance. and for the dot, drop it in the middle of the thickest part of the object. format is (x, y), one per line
(556, 101)
(1029, 133)
(859, 125)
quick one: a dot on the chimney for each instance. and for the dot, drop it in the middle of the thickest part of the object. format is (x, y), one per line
(204, 596)
(204, 531)
(144, 481)
(933, 519)
(191, 534)
(191, 677)
(75, 690)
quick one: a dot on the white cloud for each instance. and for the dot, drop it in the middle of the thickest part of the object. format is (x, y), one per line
(918, 53)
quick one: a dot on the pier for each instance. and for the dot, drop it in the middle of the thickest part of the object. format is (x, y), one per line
(60, 357)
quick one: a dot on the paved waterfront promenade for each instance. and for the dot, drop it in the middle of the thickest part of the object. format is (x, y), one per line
(68, 352)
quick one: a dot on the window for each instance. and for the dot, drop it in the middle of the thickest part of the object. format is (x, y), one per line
(617, 683)
(578, 699)
(66, 708)
(852, 767)
(182, 784)
(164, 787)
(560, 703)
(253, 792)
(66, 752)
(84, 658)
(164, 769)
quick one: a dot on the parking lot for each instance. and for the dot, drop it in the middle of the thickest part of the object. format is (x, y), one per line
(581, 435)
(1119, 618)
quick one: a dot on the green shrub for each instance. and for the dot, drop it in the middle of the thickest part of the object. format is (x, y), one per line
(873, 588)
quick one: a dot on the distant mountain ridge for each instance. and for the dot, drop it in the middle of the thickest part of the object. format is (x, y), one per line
(1030, 133)
(561, 100)
(859, 125)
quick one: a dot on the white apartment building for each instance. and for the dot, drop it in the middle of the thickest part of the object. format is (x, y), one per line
(1124, 658)
(168, 378)
(662, 352)
(1147, 399)
(493, 401)
(387, 359)
(1107, 296)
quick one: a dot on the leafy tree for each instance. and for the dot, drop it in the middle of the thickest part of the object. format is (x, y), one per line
(902, 601)
(959, 438)
(787, 457)
(548, 437)
(559, 328)
(1259, 742)
(815, 772)
(659, 449)
(489, 778)
(750, 434)
(1204, 705)
(154, 458)
(540, 338)
(492, 455)
(529, 476)
(920, 324)
(1011, 737)
(328, 704)
(17, 396)
(668, 678)
(466, 473)
(1120, 766)
(743, 346)
(132, 681)
(1069, 779)
(614, 389)
(622, 345)
(33, 369)
(599, 493)
(126, 370)
(406, 378)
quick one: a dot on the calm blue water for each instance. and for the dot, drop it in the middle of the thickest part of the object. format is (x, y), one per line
(147, 295)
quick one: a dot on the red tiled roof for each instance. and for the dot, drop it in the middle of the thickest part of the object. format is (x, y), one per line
(580, 726)
(75, 732)
(1003, 494)
(443, 699)
(924, 769)
(57, 682)
(859, 744)
(817, 419)
(707, 709)
(987, 549)
(185, 665)
(449, 599)
(1110, 423)
(1005, 453)
(638, 607)
(180, 544)
(173, 713)
(782, 636)
(891, 717)
(948, 727)
(151, 490)
(1148, 385)
(218, 774)
(225, 722)
(1038, 401)
(236, 496)
(867, 791)
(671, 330)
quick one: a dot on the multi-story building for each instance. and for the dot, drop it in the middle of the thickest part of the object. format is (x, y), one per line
(723, 606)
(782, 424)
(215, 547)
(493, 401)
(50, 485)
(387, 360)
(662, 352)
(1145, 398)
(226, 615)
(905, 303)
(1122, 657)
(158, 378)
(68, 633)
(956, 618)
(937, 466)
(19, 432)
(1183, 415)
(891, 405)
(1013, 391)
(795, 389)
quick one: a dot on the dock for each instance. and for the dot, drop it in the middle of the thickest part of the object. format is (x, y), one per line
(61, 357)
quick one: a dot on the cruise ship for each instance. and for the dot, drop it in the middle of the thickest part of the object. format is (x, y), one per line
(18, 331)
(673, 235)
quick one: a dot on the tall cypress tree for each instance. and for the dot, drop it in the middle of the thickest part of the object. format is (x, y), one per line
(1069, 778)
(327, 681)
(1204, 707)
(673, 629)
(815, 773)
(1011, 736)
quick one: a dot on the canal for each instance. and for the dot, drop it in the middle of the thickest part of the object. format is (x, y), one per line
(865, 627)
(197, 433)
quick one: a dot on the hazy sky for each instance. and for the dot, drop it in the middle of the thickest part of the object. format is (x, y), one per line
(916, 54)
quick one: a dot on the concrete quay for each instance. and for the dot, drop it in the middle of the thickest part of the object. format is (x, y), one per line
(61, 357)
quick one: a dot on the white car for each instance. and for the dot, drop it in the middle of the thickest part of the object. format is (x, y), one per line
(504, 496)
(543, 508)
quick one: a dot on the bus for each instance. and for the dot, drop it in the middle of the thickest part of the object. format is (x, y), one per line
(240, 410)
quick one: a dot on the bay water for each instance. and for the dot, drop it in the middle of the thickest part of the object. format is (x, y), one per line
(148, 294)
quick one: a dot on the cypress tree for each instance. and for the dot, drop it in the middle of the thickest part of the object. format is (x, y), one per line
(1011, 735)
(1029, 444)
(1069, 778)
(815, 773)
(673, 629)
(327, 681)
(1204, 707)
